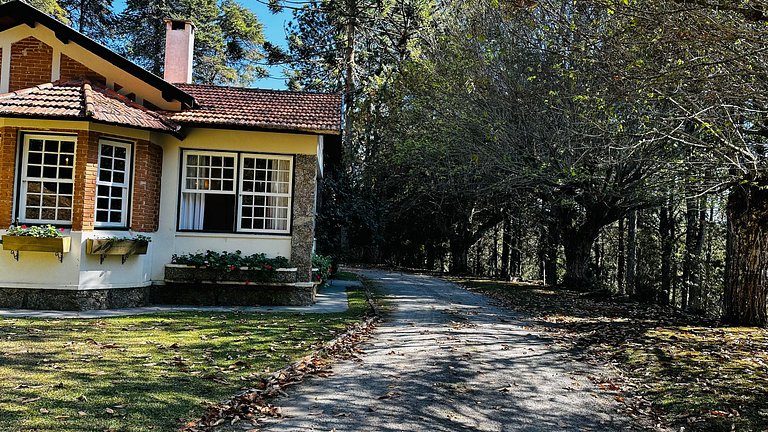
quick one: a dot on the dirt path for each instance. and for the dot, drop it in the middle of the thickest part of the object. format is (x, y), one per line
(447, 360)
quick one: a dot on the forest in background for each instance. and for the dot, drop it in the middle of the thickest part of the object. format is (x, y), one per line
(614, 145)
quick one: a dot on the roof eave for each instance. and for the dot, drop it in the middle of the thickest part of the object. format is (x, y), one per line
(276, 129)
(176, 133)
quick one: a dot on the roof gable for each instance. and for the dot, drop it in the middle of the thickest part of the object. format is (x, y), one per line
(19, 20)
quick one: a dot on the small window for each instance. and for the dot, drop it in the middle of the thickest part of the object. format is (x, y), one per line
(221, 192)
(47, 179)
(113, 184)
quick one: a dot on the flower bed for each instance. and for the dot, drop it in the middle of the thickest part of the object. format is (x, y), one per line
(210, 266)
(246, 275)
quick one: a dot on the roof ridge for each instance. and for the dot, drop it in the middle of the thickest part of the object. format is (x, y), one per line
(89, 106)
(257, 89)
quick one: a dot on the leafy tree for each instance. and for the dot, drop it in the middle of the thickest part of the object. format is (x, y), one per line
(227, 37)
(93, 18)
(51, 7)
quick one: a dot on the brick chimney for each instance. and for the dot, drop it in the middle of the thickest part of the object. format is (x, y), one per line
(179, 45)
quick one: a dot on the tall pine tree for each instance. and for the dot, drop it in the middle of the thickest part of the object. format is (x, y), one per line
(228, 38)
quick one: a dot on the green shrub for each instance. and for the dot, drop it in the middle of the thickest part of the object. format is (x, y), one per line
(323, 264)
(229, 261)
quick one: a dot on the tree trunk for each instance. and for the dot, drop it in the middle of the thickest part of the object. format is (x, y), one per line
(506, 242)
(696, 294)
(667, 236)
(746, 281)
(548, 254)
(631, 287)
(459, 256)
(516, 255)
(620, 265)
(577, 245)
(349, 78)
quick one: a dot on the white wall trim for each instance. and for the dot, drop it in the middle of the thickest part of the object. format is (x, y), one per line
(5, 71)
(23, 285)
(56, 64)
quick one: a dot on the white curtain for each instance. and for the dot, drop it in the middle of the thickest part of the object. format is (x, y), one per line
(192, 210)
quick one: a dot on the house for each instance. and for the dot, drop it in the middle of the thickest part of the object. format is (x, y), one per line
(94, 144)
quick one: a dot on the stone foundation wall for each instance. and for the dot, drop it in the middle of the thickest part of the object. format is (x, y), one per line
(71, 300)
(233, 295)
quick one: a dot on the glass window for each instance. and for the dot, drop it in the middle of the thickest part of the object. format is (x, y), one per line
(211, 202)
(113, 184)
(47, 179)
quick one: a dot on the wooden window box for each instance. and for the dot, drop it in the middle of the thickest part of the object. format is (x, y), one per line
(57, 245)
(123, 248)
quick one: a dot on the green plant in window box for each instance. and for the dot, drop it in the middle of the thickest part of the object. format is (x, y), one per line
(45, 238)
(124, 246)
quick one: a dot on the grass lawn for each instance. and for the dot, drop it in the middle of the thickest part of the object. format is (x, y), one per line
(148, 372)
(694, 373)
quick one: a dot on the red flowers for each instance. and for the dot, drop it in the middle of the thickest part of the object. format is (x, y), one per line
(24, 226)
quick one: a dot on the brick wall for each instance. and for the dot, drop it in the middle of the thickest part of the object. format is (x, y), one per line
(7, 168)
(31, 62)
(72, 69)
(148, 165)
(86, 165)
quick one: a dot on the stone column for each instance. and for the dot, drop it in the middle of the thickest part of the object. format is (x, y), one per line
(303, 224)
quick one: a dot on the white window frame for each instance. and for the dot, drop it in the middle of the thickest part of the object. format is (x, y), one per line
(241, 194)
(237, 187)
(126, 185)
(22, 199)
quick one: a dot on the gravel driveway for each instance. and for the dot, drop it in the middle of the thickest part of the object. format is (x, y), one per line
(447, 360)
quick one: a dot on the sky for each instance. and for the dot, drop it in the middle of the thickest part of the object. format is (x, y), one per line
(274, 31)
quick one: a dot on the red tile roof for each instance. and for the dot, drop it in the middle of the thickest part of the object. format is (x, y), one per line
(218, 106)
(82, 100)
(257, 108)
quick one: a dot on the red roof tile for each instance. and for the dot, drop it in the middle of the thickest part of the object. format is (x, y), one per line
(257, 108)
(82, 100)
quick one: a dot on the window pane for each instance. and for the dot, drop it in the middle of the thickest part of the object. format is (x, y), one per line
(35, 145)
(68, 147)
(120, 152)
